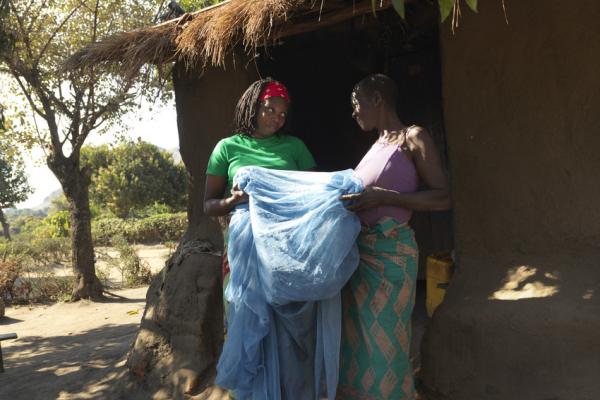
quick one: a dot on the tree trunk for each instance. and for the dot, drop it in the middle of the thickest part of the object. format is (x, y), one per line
(75, 183)
(87, 284)
(5, 225)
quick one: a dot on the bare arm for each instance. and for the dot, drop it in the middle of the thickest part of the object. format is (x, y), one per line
(215, 204)
(429, 168)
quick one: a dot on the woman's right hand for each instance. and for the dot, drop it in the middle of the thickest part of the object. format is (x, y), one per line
(216, 202)
(238, 196)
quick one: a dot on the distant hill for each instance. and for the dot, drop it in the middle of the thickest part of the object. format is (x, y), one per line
(38, 211)
(12, 213)
(47, 202)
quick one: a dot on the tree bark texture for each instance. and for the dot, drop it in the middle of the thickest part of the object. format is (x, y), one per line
(5, 225)
(181, 333)
(75, 183)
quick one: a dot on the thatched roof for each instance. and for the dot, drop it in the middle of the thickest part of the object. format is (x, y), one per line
(208, 35)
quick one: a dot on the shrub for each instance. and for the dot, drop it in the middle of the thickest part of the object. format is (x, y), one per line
(51, 250)
(133, 270)
(154, 229)
(37, 251)
(159, 228)
(58, 224)
(10, 269)
(152, 209)
(45, 285)
(26, 269)
(25, 224)
(104, 229)
(103, 272)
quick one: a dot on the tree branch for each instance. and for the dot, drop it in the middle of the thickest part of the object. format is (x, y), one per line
(53, 35)
(90, 122)
(60, 104)
(40, 139)
(24, 33)
(35, 15)
(95, 27)
(91, 98)
(62, 142)
(27, 94)
(74, 129)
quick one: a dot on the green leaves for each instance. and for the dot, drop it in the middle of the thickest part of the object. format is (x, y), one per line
(13, 180)
(132, 176)
(58, 224)
(192, 5)
(445, 8)
(472, 4)
(399, 7)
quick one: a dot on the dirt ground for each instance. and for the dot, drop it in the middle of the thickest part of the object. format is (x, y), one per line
(78, 350)
(74, 350)
(154, 256)
(68, 350)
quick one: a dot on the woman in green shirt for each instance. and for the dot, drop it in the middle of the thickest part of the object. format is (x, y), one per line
(259, 139)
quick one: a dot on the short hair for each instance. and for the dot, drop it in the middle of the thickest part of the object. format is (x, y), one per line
(246, 110)
(382, 84)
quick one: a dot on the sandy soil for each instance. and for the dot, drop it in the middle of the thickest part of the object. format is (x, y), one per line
(68, 350)
(73, 350)
(153, 255)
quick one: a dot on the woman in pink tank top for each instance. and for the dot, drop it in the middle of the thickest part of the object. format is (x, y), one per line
(379, 298)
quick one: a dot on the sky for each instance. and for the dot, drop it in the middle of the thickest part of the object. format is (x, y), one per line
(158, 127)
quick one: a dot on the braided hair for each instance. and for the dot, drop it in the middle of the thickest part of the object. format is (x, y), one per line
(246, 110)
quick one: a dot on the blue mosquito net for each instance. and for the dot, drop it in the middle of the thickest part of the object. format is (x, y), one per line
(291, 250)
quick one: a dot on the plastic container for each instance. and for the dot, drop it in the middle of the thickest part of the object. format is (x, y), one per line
(439, 271)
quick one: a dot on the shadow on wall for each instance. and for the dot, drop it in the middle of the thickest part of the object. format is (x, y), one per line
(84, 365)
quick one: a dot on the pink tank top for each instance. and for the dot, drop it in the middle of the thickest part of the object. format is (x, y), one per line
(387, 166)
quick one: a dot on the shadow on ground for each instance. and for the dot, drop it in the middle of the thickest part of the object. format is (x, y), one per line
(113, 298)
(46, 368)
(8, 321)
(51, 367)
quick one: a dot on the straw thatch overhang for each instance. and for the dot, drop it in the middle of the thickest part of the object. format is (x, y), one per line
(208, 35)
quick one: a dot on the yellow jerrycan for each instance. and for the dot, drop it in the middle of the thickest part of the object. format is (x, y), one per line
(439, 271)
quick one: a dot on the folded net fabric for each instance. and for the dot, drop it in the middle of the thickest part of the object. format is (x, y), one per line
(291, 250)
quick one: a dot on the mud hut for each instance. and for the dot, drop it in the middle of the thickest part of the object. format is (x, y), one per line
(510, 98)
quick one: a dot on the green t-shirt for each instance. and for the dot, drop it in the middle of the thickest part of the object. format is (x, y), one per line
(275, 152)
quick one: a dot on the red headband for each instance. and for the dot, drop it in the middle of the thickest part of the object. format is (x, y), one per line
(274, 89)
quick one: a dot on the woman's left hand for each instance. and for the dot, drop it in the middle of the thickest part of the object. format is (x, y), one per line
(371, 197)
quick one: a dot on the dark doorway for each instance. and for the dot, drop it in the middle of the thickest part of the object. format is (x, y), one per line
(320, 68)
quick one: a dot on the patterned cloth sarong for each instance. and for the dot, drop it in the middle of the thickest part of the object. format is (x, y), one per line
(377, 307)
